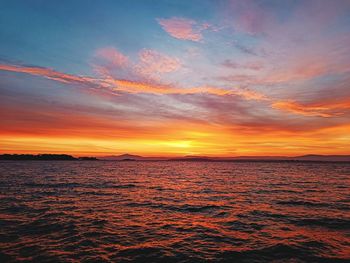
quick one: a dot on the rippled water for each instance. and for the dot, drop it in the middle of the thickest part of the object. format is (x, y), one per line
(174, 212)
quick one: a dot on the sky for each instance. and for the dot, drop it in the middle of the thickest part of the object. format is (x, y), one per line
(173, 78)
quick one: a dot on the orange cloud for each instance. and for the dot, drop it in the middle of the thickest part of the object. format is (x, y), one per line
(91, 131)
(46, 73)
(143, 87)
(301, 70)
(131, 86)
(325, 111)
(182, 28)
(81, 135)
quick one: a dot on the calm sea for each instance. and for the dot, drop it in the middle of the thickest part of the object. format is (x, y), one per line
(103, 211)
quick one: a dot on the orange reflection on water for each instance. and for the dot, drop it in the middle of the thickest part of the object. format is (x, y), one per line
(175, 211)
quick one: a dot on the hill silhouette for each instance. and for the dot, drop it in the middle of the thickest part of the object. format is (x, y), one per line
(194, 158)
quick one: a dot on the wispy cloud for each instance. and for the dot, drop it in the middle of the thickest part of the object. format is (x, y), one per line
(255, 65)
(130, 86)
(46, 73)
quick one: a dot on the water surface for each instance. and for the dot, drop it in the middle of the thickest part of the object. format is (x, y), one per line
(72, 211)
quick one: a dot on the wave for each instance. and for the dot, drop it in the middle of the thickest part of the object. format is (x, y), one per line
(315, 204)
(330, 223)
(284, 253)
(186, 208)
(163, 212)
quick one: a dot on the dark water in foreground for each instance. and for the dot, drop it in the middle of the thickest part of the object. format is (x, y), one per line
(174, 212)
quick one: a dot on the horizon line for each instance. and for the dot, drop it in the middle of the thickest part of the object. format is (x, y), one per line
(174, 156)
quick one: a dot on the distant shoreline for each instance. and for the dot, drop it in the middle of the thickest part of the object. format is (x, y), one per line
(133, 158)
(43, 157)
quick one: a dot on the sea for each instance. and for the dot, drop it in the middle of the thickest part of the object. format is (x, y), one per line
(174, 211)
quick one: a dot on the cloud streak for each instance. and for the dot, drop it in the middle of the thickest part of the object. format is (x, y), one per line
(46, 73)
(130, 86)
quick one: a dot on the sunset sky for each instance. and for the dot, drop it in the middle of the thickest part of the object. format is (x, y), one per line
(172, 78)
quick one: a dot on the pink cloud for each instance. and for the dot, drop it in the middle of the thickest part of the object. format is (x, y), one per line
(254, 65)
(239, 78)
(251, 22)
(182, 28)
(112, 56)
(153, 63)
(247, 16)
